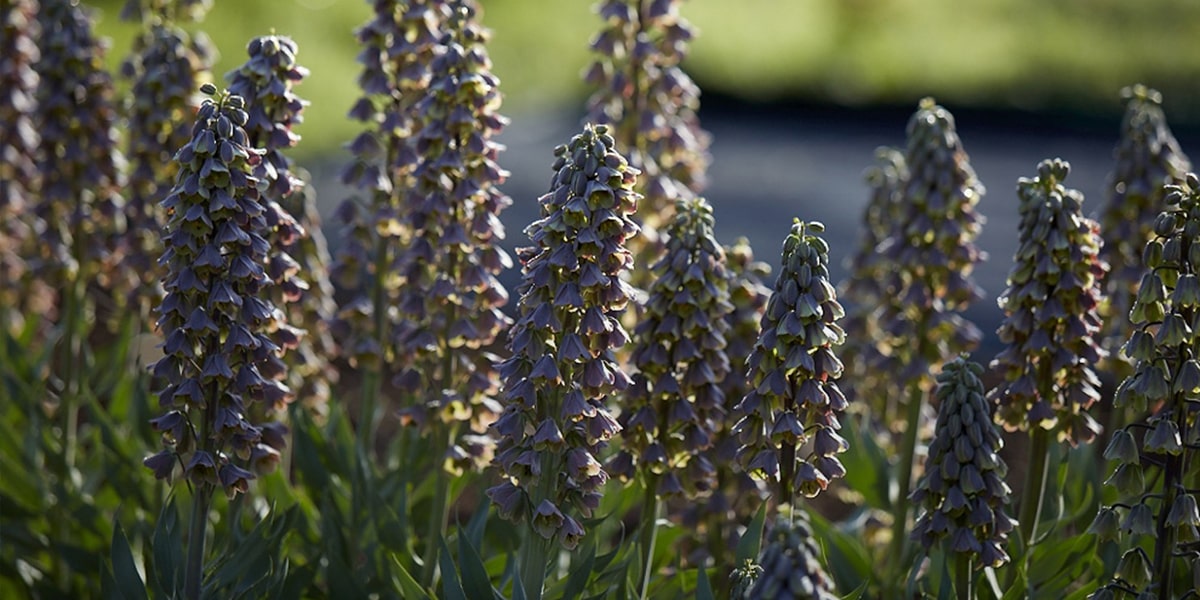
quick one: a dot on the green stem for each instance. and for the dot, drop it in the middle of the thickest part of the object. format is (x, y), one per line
(908, 449)
(536, 551)
(964, 581)
(1035, 485)
(72, 363)
(650, 508)
(787, 473)
(194, 576)
(1164, 541)
(372, 380)
(442, 435)
(535, 554)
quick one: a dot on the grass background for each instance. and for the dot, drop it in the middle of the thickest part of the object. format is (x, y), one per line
(1067, 56)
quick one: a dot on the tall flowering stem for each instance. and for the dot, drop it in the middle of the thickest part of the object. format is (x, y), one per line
(865, 290)
(19, 141)
(648, 101)
(563, 365)
(962, 495)
(216, 317)
(1162, 450)
(735, 495)
(298, 265)
(1051, 327)
(1147, 157)
(669, 418)
(80, 205)
(451, 303)
(789, 420)
(166, 67)
(931, 251)
(398, 45)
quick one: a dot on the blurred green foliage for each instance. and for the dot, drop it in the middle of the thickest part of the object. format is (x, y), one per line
(1065, 55)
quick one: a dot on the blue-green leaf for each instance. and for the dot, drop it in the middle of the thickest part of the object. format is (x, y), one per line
(474, 574)
(751, 543)
(452, 586)
(168, 550)
(405, 583)
(125, 573)
(581, 571)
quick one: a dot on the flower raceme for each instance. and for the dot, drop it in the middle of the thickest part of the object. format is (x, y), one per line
(794, 402)
(1156, 457)
(218, 353)
(1051, 308)
(563, 364)
(79, 163)
(1147, 157)
(398, 45)
(676, 401)
(19, 141)
(451, 303)
(298, 263)
(931, 249)
(649, 101)
(963, 496)
(165, 68)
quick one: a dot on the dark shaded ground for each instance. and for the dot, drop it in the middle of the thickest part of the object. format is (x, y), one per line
(773, 163)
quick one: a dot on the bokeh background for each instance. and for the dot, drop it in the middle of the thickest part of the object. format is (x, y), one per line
(797, 94)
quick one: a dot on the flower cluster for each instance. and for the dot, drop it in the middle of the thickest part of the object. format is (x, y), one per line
(1147, 157)
(930, 250)
(962, 494)
(865, 290)
(298, 266)
(398, 46)
(166, 69)
(1051, 307)
(216, 316)
(649, 102)
(451, 303)
(78, 160)
(791, 564)
(563, 364)
(677, 401)
(1165, 381)
(794, 402)
(19, 141)
(735, 495)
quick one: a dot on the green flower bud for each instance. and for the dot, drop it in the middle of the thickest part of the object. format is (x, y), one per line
(1128, 480)
(1164, 439)
(1139, 520)
(1134, 568)
(1122, 448)
(1184, 511)
(1106, 525)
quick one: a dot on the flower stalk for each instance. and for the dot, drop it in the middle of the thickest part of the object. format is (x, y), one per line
(789, 419)
(1051, 328)
(676, 401)
(962, 495)
(929, 254)
(219, 356)
(1152, 475)
(563, 365)
(80, 204)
